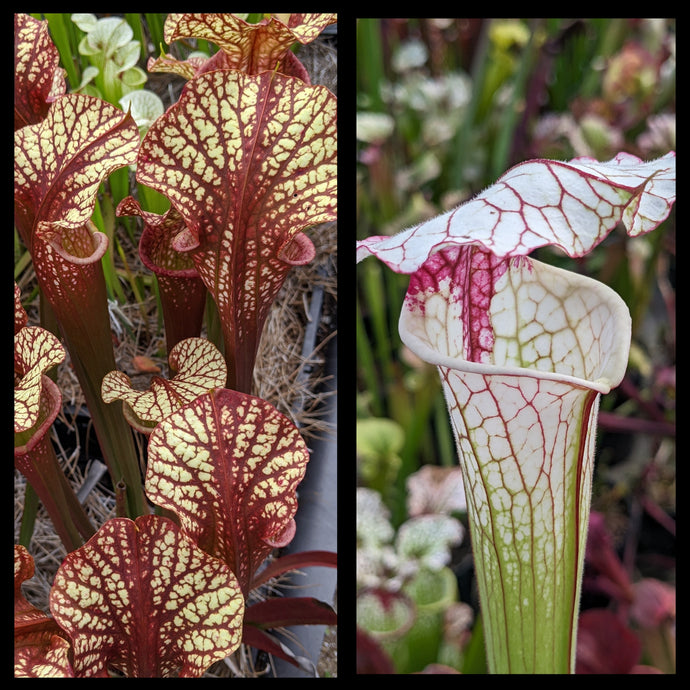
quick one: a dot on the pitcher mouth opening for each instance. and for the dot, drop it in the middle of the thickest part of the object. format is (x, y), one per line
(581, 337)
(427, 353)
(600, 385)
(298, 251)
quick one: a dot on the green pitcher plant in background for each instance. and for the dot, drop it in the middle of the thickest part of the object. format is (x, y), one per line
(524, 351)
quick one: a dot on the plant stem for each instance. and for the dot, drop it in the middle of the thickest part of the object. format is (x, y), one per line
(77, 293)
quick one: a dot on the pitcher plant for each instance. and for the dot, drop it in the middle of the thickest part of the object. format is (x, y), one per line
(525, 351)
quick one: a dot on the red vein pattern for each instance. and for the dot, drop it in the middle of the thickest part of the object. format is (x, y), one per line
(465, 276)
(527, 454)
(35, 351)
(60, 162)
(466, 308)
(572, 206)
(200, 367)
(37, 78)
(524, 350)
(182, 292)
(140, 596)
(251, 48)
(229, 464)
(40, 650)
(249, 162)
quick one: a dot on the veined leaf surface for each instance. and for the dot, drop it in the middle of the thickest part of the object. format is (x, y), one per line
(37, 77)
(251, 48)
(140, 596)
(249, 162)
(35, 351)
(37, 401)
(60, 162)
(21, 318)
(194, 66)
(228, 464)
(40, 650)
(571, 205)
(200, 368)
(159, 230)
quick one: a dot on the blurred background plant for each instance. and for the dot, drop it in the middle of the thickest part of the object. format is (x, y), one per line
(113, 53)
(410, 566)
(444, 107)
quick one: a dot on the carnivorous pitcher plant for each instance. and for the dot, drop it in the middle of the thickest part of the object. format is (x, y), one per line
(248, 159)
(180, 578)
(524, 351)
